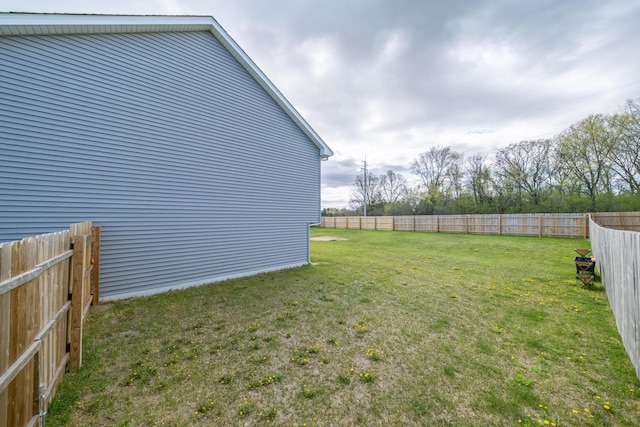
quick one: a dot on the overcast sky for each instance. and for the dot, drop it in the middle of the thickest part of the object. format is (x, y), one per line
(390, 79)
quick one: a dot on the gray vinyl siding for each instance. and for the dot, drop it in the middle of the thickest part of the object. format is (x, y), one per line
(192, 170)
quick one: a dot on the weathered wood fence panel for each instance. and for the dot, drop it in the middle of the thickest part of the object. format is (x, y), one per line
(618, 220)
(427, 224)
(618, 255)
(570, 225)
(330, 221)
(354, 222)
(368, 222)
(384, 223)
(484, 224)
(400, 223)
(42, 280)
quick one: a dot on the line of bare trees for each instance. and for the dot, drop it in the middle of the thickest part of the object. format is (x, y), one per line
(594, 165)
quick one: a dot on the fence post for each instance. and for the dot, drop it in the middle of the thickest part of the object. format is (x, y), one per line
(5, 319)
(95, 260)
(79, 268)
(35, 396)
(539, 225)
(586, 226)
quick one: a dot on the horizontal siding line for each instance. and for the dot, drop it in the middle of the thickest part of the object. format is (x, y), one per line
(163, 262)
(210, 280)
(111, 69)
(148, 195)
(95, 165)
(160, 264)
(139, 59)
(213, 183)
(97, 149)
(211, 147)
(243, 217)
(214, 152)
(160, 170)
(108, 125)
(124, 96)
(128, 97)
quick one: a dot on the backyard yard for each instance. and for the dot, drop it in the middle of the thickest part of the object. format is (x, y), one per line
(384, 328)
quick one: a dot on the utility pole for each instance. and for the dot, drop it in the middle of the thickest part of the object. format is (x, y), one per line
(365, 185)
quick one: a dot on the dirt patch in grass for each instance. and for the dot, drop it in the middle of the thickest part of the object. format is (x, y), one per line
(327, 238)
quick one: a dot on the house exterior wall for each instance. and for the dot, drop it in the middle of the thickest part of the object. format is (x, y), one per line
(191, 169)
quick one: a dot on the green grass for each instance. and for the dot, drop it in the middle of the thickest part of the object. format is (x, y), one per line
(385, 328)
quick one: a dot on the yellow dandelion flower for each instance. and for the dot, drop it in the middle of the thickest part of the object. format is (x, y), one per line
(586, 409)
(575, 411)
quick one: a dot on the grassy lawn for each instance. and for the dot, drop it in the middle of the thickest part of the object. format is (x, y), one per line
(386, 328)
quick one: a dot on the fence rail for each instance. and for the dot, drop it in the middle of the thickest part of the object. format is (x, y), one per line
(617, 253)
(45, 293)
(568, 225)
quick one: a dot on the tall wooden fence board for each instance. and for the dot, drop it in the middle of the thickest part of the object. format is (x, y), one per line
(340, 222)
(353, 222)
(384, 223)
(368, 223)
(618, 255)
(35, 318)
(401, 223)
(569, 225)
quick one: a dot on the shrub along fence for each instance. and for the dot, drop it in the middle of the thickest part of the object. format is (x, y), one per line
(45, 294)
(571, 225)
(618, 255)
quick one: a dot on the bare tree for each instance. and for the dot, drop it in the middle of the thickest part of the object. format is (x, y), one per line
(393, 187)
(369, 188)
(479, 179)
(526, 166)
(439, 169)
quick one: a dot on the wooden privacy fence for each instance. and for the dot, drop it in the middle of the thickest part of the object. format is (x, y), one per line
(571, 225)
(618, 256)
(45, 294)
